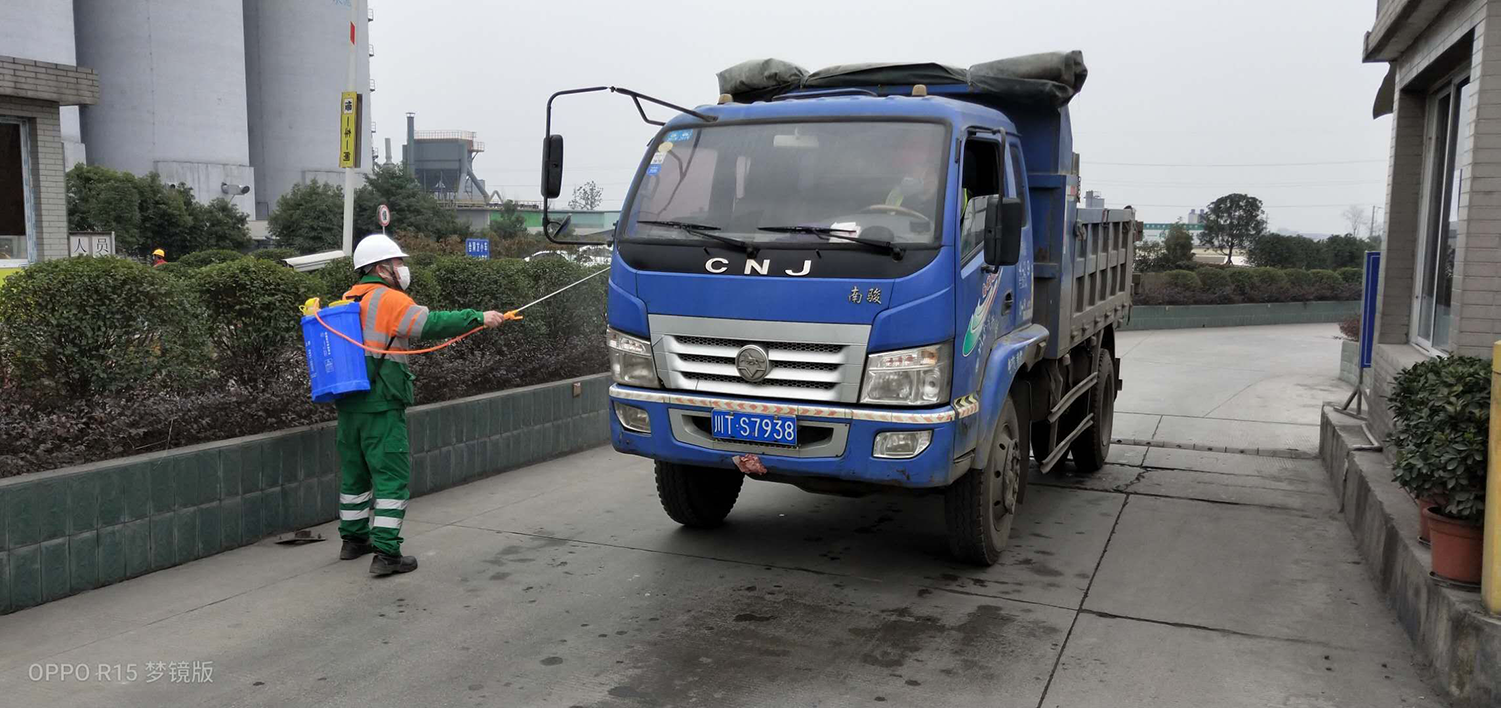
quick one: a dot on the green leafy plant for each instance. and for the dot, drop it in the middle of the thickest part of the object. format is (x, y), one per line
(1183, 280)
(208, 258)
(253, 315)
(77, 327)
(1214, 279)
(1442, 413)
(273, 254)
(1351, 276)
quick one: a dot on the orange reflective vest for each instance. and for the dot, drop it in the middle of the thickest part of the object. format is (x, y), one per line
(390, 319)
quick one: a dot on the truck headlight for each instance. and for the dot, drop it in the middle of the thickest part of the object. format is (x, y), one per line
(908, 376)
(630, 360)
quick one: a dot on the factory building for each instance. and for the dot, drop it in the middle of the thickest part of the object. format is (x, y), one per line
(231, 98)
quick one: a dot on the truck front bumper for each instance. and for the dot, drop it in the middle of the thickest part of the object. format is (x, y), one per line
(835, 441)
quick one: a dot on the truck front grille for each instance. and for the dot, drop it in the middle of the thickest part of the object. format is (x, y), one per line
(812, 362)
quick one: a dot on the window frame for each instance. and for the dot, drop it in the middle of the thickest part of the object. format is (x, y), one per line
(28, 196)
(1439, 192)
(1001, 178)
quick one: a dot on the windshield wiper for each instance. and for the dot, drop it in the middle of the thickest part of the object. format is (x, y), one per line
(703, 231)
(841, 234)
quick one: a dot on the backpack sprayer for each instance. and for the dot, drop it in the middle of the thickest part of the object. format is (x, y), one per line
(336, 368)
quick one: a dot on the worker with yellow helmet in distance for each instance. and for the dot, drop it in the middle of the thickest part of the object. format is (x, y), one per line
(158, 258)
(374, 457)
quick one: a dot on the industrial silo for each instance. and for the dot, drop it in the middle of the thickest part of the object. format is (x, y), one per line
(297, 57)
(42, 30)
(172, 92)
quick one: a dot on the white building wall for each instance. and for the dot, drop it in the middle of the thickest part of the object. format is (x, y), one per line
(42, 30)
(172, 81)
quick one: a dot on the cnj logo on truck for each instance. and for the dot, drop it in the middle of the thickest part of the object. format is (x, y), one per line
(762, 267)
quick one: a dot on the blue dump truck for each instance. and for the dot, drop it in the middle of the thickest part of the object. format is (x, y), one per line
(869, 278)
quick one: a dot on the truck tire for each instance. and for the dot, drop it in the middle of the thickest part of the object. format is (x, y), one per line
(1090, 449)
(981, 505)
(697, 497)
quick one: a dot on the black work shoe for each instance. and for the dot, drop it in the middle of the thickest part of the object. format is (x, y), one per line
(383, 564)
(354, 549)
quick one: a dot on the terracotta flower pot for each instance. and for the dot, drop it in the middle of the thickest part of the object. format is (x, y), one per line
(1423, 533)
(1456, 547)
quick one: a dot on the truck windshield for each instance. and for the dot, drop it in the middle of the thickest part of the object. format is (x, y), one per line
(878, 181)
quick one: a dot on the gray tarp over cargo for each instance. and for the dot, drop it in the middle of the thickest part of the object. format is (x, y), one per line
(1051, 78)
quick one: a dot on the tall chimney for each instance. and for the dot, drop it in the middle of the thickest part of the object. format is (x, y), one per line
(409, 155)
(388, 151)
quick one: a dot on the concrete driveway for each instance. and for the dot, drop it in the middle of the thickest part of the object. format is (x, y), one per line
(1172, 578)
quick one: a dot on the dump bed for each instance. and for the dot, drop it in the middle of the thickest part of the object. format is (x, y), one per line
(1082, 282)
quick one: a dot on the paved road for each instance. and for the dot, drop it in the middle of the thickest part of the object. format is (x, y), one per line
(1172, 578)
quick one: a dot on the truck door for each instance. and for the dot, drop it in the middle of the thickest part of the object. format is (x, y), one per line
(1016, 186)
(982, 311)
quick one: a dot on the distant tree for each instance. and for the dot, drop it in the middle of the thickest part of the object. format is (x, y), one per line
(507, 222)
(145, 214)
(586, 197)
(413, 209)
(1232, 222)
(1373, 243)
(1178, 244)
(1345, 251)
(309, 218)
(1356, 216)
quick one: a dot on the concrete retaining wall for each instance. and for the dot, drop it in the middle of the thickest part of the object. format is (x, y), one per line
(1349, 361)
(1449, 627)
(1185, 316)
(69, 530)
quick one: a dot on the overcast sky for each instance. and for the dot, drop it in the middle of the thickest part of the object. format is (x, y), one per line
(1186, 100)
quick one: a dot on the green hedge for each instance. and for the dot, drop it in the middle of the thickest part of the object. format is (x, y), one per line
(106, 356)
(1212, 285)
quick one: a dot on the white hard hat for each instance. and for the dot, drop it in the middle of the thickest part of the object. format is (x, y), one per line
(374, 249)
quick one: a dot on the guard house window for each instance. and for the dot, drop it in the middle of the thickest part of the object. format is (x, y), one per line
(16, 236)
(1447, 150)
(981, 182)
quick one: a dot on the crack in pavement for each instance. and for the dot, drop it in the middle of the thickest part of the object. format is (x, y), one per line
(1215, 630)
(1063, 647)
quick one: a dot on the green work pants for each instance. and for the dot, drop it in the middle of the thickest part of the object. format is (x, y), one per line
(375, 465)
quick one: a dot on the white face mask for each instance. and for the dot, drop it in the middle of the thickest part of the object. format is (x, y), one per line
(403, 277)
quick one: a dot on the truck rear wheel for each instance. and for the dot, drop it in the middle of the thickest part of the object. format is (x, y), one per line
(1090, 449)
(698, 497)
(981, 506)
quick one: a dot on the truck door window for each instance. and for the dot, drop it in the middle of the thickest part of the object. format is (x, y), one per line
(981, 181)
(1014, 162)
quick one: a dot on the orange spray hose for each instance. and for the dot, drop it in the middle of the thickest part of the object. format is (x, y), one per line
(377, 350)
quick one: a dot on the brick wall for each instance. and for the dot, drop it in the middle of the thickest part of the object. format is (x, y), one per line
(32, 91)
(66, 531)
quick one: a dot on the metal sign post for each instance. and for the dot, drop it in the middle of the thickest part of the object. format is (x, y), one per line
(349, 133)
(1367, 329)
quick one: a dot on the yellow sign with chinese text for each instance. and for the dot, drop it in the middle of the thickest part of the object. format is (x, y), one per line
(349, 130)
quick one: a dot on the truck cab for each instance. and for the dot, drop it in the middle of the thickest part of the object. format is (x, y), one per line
(837, 288)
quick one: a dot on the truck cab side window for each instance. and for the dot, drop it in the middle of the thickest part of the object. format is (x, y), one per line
(981, 181)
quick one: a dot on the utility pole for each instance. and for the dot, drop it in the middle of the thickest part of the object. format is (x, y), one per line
(354, 6)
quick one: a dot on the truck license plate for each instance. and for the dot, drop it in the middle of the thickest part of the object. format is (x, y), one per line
(755, 427)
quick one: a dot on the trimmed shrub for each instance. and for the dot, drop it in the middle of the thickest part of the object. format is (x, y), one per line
(253, 315)
(273, 254)
(1183, 280)
(1242, 280)
(1442, 413)
(208, 258)
(1353, 276)
(1269, 279)
(1298, 278)
(1214, 279)
(332, 280)
(1326, 284)
(1350, 328)
(76, 327)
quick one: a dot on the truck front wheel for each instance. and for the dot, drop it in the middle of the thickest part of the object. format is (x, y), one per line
(982, 504)
(697, 497)
(1092, 446)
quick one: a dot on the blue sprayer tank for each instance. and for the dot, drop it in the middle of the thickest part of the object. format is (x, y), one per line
(335, 366)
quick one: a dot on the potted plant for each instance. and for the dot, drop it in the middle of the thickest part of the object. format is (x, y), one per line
(1442, 413)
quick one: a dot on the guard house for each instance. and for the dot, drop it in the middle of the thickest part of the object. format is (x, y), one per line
(1440, 288)
(33, 201)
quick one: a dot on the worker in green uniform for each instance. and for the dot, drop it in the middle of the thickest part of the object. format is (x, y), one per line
(374, 457)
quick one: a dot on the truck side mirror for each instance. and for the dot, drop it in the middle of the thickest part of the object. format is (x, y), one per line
(552, 166)
(1003, 231)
